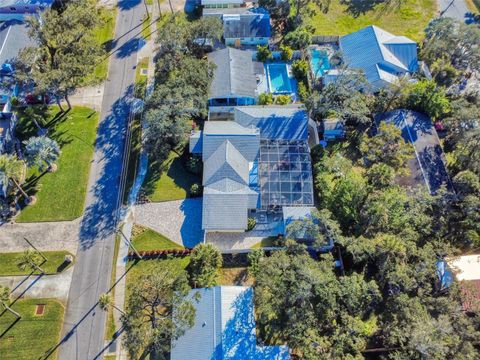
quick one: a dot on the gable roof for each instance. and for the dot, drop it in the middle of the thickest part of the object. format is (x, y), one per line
(248, 25)
(245, 140)
(234, 74)
(225, 163)
(224, 328)
(380, 54)
(275, 122)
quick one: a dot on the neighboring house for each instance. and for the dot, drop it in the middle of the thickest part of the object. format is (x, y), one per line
(224, 328)
(382, 56)
(246, 29)
(19, 9)
(293, 214)
(466, 270)
(429, 164)
(222, 4)
(333, 129)
(236, 79)
(257, 163)
(220, 12)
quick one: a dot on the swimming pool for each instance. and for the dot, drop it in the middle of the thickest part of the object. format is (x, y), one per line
(319, 62)
(278, 80)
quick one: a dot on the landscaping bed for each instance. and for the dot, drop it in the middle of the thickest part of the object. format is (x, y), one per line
(55, 264)
(61, 195)
(34, 336)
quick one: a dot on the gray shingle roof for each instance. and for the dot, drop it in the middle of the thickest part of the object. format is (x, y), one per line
(225, 162)
(246, 26)
(245, 140)
(234, 74)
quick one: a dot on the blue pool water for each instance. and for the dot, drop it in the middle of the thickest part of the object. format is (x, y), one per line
(279, 82)
(319, 62)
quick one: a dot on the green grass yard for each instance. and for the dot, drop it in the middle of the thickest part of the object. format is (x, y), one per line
(34, 336)
(105, 35)
(53, 265)
(145, 239)
(61, 195)
(409, 19)
(169, 180)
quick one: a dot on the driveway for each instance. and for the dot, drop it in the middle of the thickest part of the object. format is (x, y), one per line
(40, 286)
(456, 9)
(180, 221)
(45, 236)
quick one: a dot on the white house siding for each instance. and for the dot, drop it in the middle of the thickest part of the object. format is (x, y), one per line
(247, 41)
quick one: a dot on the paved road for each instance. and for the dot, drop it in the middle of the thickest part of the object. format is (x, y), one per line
(84, 326)
(456, 9)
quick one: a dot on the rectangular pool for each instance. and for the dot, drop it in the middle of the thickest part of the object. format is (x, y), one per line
(278, 80)
(319, 62)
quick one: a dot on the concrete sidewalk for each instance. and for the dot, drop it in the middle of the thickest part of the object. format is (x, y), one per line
(40, 286)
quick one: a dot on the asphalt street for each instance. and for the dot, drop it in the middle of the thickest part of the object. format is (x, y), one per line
(84, 324)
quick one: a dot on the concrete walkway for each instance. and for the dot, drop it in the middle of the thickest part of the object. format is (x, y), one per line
(40, 286)
(89, 96)
(180, 220)
(46, 236)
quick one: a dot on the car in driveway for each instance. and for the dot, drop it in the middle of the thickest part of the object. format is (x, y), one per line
(37, 99)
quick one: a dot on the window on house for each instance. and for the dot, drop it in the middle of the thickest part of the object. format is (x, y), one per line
(13, 9)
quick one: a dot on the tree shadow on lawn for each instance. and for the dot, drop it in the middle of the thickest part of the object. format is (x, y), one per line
(100, 216)
(357, 8)
(174, 168)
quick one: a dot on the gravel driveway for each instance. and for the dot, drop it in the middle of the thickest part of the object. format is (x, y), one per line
(180, 221)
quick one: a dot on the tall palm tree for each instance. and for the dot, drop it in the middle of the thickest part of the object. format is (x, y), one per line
(105, 301)
(5, 300)
(42, 151)
(11, 168)
(31, 260)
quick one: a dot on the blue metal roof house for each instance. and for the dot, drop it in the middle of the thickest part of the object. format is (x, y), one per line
(260, 160)
(19, 9)
(382, 56)
(246, 29)
(224, 328)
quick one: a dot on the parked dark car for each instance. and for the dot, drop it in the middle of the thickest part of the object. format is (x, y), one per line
(32, 99)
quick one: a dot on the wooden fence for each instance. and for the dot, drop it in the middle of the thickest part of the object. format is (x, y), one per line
(324, 39)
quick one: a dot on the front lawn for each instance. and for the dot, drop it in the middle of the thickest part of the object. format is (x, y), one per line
(145, 239)
(409, 19)
(61, 195)
(54, 264)
(169, 180)
(33, 336)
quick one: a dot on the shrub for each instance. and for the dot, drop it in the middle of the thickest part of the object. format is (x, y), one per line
(194, 164)
(302, 91)
(263, 53)
(283, 99)
(195, 190)
(286, 52)
(140, 88)
(300, 70)
(265, 99)
(251, 223)
(14, 101)
(205, 262)
(254, 258)
(427, 97)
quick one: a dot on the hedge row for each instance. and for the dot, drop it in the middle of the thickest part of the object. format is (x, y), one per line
(153, 254)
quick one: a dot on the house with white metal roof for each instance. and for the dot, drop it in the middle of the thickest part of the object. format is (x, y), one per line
(382, 56)
(224, 328)
(19, 9)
